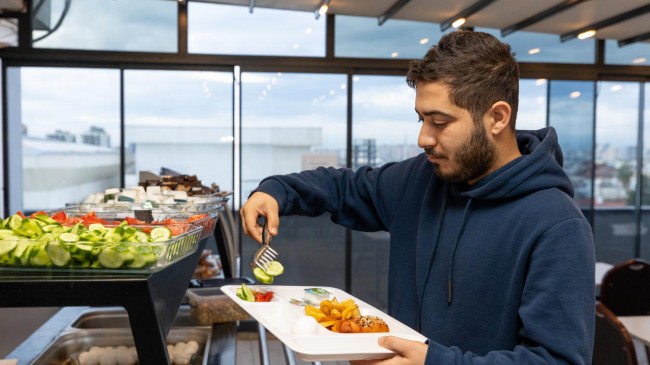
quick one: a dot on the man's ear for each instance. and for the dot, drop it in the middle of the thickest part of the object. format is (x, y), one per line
(499, 117)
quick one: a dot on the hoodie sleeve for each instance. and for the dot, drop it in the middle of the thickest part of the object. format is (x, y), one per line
(360, 200)
(557, 307)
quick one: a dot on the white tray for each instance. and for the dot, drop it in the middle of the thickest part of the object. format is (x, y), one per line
(279, 316)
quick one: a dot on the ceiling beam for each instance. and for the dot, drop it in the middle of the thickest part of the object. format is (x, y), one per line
(607, 22)
(540, 16)
(397, 6)
(634, 39)
(465, 13)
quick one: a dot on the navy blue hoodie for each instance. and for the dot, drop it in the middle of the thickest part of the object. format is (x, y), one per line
(500, 272)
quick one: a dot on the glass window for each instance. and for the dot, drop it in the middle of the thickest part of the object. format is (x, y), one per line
(293, 122)
(632, 54)
(71, 136)
(539, 47)
(571, 113)
(384, 126)
(180, 120)
(532, 104)
(228, 29)
(384, 129)
(617, 118)
(144, 25)
(362, 37)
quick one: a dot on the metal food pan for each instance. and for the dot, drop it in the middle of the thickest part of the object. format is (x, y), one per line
(117, 317)
(70, 343)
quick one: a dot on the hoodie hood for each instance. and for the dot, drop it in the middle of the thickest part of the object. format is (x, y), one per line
(539, 168)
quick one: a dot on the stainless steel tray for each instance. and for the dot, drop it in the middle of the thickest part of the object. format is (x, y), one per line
(117, 317)
(72, 342)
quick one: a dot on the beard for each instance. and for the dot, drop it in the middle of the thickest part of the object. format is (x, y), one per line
(474, 157)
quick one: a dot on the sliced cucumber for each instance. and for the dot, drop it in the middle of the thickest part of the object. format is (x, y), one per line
(274, 268)
(97, 227)
(247, 293)
(68, 237)
(6, 247)
(39, 256)
(110, 258)
(262, 276)
(59, 255)
(159, 233)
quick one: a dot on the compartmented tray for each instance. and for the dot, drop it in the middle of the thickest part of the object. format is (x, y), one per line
(69, 345)
(284, 319)
(53, 254)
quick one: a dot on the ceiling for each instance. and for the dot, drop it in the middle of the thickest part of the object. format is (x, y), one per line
(497, 14)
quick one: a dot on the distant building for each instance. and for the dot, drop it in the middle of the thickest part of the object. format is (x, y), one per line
(364, 152)
(60, 135)
(96, 136)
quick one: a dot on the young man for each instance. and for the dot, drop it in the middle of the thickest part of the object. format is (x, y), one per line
(490, 257)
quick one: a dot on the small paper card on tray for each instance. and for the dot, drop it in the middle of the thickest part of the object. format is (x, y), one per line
(284, 317)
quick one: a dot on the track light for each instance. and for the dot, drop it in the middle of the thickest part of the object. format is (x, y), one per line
(322, 8)
(587, 34)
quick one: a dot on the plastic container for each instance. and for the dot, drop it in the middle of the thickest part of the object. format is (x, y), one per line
(210, 305)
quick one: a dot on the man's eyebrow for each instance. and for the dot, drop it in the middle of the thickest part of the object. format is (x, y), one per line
(434, 112)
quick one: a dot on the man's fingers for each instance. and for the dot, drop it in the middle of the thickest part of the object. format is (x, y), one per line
(259, 204)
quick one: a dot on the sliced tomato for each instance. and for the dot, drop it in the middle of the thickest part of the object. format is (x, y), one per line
(133, 221)
(196, 217)
(59, 216)
(21, 214)
(259, 297)
(176, 229)
(268, 296)
(40, 212)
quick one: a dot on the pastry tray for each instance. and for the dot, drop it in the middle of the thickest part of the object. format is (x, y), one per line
(279, 316)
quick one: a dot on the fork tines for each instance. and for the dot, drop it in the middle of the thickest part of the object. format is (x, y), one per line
(266, 257)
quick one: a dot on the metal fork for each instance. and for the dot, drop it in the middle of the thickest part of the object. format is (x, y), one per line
(265, 254)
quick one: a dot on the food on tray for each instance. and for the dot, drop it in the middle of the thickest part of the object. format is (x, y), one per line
(180, 353)
(316, 295)
(41, 240)
(363, 324)
(331, 313)
(250, 295)
(266, 276)
(305, 325)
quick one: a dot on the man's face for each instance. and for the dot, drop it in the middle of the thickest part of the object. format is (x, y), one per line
(459, 148)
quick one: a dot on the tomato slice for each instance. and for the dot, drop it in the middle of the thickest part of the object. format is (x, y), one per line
(268, 296)
(59, 216)
(21, 214)
(133, 221)
(40, 212)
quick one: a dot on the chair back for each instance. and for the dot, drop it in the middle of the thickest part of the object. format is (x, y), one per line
(625, 288)
(613, 344)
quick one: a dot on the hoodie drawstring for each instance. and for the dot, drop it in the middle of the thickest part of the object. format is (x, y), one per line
(453, 251)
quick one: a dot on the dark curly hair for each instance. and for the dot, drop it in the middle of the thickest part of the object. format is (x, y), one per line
(479, 69)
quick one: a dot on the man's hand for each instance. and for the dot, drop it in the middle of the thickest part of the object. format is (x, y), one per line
(407, 352)
(259, 204)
